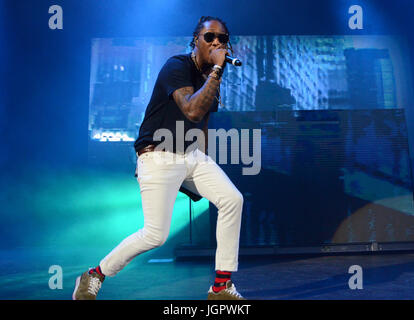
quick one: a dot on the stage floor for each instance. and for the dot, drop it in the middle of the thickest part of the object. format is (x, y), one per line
(25, 276)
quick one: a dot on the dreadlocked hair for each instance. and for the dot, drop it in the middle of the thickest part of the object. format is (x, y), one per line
(200, 25)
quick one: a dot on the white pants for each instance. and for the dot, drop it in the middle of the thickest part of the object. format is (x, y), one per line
(160, 175)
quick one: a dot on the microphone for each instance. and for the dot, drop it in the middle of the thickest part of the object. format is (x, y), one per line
(234, 61)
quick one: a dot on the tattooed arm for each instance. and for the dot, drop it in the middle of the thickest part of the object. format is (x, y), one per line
(196, 105)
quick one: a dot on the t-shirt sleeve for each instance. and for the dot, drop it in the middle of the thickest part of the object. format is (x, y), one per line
(175, 74)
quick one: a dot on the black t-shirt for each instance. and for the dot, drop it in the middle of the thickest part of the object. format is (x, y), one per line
(162, 112)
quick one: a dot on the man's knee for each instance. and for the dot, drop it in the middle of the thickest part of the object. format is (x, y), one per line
(155, 238)
(238, 198)
(234, 199)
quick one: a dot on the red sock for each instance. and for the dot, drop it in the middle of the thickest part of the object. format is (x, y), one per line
(97, 270)
(220, 282)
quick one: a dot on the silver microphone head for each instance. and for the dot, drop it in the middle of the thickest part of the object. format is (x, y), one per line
(236, 62)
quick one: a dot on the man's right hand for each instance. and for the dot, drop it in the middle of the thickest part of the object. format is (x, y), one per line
(218, 56)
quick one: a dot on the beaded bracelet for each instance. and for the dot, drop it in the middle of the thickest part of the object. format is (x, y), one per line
(217, 72)
(215, 75)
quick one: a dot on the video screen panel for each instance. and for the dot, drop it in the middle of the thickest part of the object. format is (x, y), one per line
(335, 158)
(278, 73)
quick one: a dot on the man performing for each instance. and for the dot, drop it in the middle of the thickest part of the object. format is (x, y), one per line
(186, 91)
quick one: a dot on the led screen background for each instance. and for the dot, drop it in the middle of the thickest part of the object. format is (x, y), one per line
(331, 109)
(279, 72)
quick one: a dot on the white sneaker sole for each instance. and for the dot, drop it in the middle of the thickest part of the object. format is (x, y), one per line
(76, 288)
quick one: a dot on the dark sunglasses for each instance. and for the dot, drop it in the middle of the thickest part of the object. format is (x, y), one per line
(222, 37)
